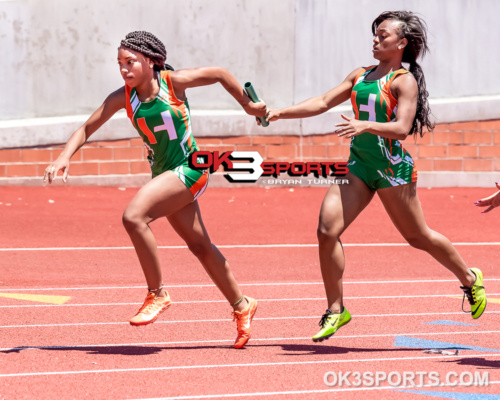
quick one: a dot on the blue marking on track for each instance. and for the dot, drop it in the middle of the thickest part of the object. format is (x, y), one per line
(454, 395)
(404, 341)
(446, 322)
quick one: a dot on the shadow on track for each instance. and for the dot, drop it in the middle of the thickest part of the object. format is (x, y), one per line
(134, 350)
(477, 362)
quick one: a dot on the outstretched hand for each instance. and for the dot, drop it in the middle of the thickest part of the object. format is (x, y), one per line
(491, 201)
(271, 115)
(352, 127)
(52, 170)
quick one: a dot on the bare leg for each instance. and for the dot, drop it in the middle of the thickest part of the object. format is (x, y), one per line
(162, 196)
(341, 205)
(404, 209)
(188, 223)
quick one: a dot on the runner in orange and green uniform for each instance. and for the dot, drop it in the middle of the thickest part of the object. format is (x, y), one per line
(154, 96)
(378, 161)
(164, 124)
(389, 103)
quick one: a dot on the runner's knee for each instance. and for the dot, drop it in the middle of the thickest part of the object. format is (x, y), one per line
(200, 248)
(418, 240)
(328, 231)
(330, 224)
(132, 220)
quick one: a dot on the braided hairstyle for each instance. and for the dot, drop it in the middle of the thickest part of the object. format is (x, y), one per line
(414, 30)
(149, 45)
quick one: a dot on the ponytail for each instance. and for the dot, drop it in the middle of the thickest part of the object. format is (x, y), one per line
(422, 116)
(414, 30)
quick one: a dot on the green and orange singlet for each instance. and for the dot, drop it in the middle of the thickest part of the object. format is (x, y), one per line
(380, 162)
(164, 125)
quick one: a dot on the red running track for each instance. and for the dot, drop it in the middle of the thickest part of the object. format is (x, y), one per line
(84, 348)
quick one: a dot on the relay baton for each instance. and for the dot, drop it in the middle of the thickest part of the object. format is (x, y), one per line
(253, 96)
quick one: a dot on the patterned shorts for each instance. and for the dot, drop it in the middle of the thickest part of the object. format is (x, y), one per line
(196, 180)
(380, 174)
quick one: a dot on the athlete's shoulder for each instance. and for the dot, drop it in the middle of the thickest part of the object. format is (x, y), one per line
(358, 71)
(119, 91)
(116, 100)
(404, 77)
(180, 75)
(118, 96)
(355, 74)
(364, 69)
(398, 73)
(404, 82)
(180, 78)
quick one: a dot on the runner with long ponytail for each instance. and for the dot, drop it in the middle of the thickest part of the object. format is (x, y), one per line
(389, 103)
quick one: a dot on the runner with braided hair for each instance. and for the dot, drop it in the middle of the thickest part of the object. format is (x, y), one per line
(154, 96)
(150, 46)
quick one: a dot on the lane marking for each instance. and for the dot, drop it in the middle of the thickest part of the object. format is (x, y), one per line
(419, 296)
(231, 341)
(211, 285)
(255, 319)
(311, 391)
(490, 300)
(37, 297)
(237, 246)
(187, 367)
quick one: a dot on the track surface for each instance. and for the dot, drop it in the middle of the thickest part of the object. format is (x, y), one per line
(69, 242)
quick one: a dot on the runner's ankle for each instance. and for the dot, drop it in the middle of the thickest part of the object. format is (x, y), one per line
(160, 292)
(241, 306)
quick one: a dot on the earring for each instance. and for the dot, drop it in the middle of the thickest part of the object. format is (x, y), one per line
(151, 66)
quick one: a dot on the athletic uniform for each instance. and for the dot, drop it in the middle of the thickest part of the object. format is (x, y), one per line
(165, 127)
(379, 162)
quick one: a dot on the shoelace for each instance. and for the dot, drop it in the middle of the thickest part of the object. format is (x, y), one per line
(148, 303)
(470, 292)
(237, 317)
(324, 318)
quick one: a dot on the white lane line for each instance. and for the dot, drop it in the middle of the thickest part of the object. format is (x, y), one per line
(211, 285)
(312, 391)
(191, 321)
(276, 339)
(237, 246)
(419, 296)
(187, 367)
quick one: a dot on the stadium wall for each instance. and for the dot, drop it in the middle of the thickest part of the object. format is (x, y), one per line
(60, 67)
(457, 154)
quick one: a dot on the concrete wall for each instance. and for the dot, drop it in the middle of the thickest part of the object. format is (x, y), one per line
(61, 54)
(60, 59)
(333, 37)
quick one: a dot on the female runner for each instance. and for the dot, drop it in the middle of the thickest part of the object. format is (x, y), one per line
(389, 103)
(154, 96)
